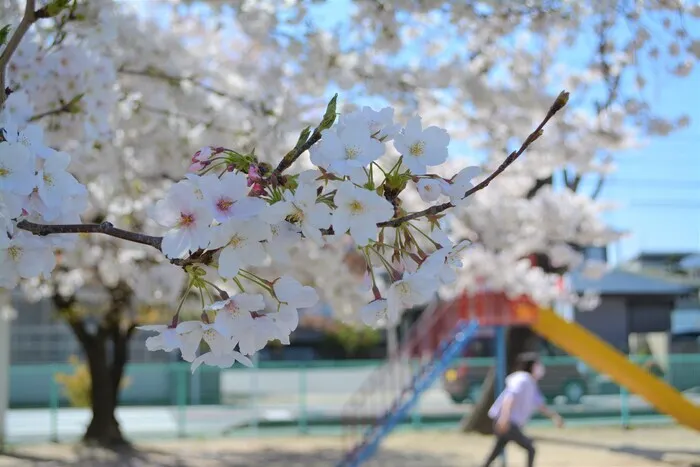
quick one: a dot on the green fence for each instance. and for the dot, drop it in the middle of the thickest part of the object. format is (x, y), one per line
(163, 400)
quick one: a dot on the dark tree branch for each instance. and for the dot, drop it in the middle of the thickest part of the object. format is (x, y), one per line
(539, 184)
(598, 187)
(576, 182)
(558, 104)
(78, 327)
(105, 228)
(30, 16)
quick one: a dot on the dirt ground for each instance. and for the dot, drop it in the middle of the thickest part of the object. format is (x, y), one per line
(573, 447)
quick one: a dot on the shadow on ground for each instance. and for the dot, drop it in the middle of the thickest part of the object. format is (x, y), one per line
(194, 458)
(691, 457)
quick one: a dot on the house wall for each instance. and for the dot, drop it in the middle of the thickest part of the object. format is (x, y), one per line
(650, 314)
(608, 321)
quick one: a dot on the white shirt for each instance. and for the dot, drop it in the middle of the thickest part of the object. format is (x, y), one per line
(527, 398)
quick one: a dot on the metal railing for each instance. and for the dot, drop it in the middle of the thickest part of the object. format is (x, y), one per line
(166, 400)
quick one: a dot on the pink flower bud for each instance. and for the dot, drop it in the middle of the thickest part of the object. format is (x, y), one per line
(202, 155)
(257, 190)
(195, 167)
(253, 174)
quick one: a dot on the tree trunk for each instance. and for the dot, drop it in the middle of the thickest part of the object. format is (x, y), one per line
(107, 352)
(518, 340)
(105, 376)
(103, 429)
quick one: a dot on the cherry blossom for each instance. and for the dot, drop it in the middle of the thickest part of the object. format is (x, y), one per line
(187, 218)
(348, 149)
(286, 319)
(412, 290)
(445, 263)
(16, 168)
(431, 189)
(303, 208)
(226, 360)
(241, 245)
(284, 235)
(234, 313)
(289, 291)
(228, 197)
(167, 339)
(380, 123)
(421, 147)
(375, 313)
(194, 332)
(460, 184)
(55, 183)
(25, 256)
(359, 211)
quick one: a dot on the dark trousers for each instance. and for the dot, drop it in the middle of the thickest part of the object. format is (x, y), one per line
(516, 435)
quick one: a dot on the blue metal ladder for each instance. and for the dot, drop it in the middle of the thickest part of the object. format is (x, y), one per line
(450, 348)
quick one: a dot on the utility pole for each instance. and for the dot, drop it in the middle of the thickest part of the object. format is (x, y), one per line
(7, 314)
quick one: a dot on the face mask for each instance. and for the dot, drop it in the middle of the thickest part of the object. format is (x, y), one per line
(538, 371)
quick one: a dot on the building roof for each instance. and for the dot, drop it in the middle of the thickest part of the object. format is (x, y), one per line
(623, 282)
(690, 262)
(673, 256)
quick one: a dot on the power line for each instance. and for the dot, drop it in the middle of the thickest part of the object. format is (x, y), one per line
(680, 204)
(653, 182)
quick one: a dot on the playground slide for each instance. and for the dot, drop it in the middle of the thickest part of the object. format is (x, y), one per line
(599, 355)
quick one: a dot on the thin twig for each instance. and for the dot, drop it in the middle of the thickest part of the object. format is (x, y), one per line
(558, 104)
(295, 153)
(158, 74)
(64, 108)
(27, 20)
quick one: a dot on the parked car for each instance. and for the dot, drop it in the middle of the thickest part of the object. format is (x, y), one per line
(565, 376)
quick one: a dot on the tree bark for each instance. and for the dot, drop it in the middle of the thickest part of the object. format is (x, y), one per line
(106, 352)
(104, 429)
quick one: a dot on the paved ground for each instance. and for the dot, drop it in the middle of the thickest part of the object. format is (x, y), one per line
(573, 447)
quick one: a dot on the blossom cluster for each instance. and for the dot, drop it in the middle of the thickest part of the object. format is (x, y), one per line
(73, 81)
(35, 185)
(232, 214)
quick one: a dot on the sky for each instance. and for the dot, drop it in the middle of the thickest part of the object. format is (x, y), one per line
(657, 186)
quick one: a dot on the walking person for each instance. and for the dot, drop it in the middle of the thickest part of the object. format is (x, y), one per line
(515, 406)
